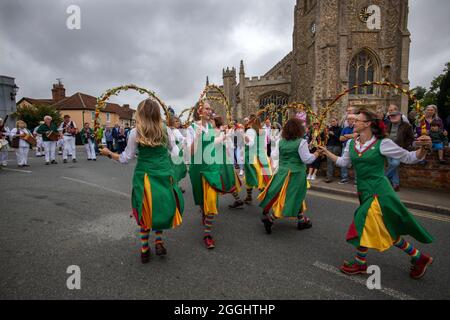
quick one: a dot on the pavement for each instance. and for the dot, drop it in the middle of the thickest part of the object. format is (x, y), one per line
(428, 200)
(54, 217)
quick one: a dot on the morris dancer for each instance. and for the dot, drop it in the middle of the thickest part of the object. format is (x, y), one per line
(179, 165)
(224, 154)
(157, 201)
(68, 129)
(286, 191)
(4, 133)
(88, 140)
(203, 171)
(39, 142)
(49, 132)
(257, 165)
(382, 219)
(21, 132)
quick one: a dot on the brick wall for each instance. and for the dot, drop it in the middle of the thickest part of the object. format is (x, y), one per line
(432, 176)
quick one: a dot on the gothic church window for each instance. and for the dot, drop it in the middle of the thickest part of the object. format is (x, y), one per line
(362, 69)
(278, 99)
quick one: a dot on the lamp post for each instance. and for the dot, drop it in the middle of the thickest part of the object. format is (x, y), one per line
(14, 91)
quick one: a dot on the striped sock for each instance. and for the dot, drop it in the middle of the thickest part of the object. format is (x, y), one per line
(408, 248)
(236, 196)
(144, 234)
(249, 193)
(301, 218)
(361, 255)
(208, 224)
(158, 237)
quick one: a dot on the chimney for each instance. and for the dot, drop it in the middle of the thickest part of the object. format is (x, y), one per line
(58, 91)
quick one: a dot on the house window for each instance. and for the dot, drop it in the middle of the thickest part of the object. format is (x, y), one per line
(362, 69)
(93, 115)
(108, 115)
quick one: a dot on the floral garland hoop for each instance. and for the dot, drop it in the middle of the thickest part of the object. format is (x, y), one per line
(222, 99)
(420, 117)
(102, 102)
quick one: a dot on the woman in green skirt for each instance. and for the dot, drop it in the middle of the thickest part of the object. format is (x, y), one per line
(257, 166)
(180, 167)
(224, 155)
(156, 200)
(286, 191)
(381, 220)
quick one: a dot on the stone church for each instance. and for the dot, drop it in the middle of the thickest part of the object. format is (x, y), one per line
(336, 44)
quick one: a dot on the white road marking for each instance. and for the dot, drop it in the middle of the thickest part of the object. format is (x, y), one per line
(419, 213)
(16, 170)
(98, 186)
(387, 291)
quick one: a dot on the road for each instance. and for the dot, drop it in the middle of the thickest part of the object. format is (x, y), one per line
(56, 216)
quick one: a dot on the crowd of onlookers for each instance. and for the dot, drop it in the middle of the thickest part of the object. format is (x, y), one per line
(398, 127)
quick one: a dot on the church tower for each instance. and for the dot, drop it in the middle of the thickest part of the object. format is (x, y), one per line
(339, 43)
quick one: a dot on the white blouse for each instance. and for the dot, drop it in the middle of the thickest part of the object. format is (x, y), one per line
(132, 145)
(388, 148)
(22, 143)
(191, 135)
(303, 152)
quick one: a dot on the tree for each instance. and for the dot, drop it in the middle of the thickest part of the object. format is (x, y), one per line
(32, 115)
(443, 95)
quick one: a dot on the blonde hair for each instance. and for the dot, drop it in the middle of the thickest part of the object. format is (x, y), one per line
(149, 124)
(19, 122)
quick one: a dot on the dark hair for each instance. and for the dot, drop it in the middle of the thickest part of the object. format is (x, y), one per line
(218, 121)
(435, 123)
(293, 129)
(376, 125)
(66, 116)
(172, 120)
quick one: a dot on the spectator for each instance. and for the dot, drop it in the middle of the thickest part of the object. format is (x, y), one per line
(402, 134)
(350, 110)
(121, 140)
(115, 134)
(439, 138)
(334, 145)
(412, 119)
(109, 138)
(315, 166)
(346, 135)
(431, 114)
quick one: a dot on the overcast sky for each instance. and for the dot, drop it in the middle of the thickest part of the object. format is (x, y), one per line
(170, 46)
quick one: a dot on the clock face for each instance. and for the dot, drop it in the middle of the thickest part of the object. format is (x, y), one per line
(364, 14)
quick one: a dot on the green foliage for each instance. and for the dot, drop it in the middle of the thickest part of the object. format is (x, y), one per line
(32, 115)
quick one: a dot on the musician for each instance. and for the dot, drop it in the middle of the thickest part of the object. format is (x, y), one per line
(68, 129)
(22, 133)
(50, 136)
(39, 142)
(4, 133)
(88, 139)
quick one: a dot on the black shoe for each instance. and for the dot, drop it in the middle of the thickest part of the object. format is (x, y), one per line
(267, 224)
(54, 162)
(305, 225)
(74, 160)
(160, 250)
(145, 257)
(94, 159)
(328, 180)
(236, 204)
(47, 163)
(248, 200)
(65, 160)
(89, 159)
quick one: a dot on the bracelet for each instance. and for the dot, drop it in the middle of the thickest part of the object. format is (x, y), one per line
(110, 155)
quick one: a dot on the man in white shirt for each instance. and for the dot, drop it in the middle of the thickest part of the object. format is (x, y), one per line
(69, 129)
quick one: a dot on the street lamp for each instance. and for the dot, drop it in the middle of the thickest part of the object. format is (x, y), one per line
(14, 91)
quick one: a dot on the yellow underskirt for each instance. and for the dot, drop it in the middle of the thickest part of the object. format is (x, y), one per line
(375, 234)
(209, 198)
(278, 206)
(147, 209)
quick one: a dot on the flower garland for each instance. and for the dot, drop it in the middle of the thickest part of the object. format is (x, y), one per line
(102, 103)
(222, 99)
